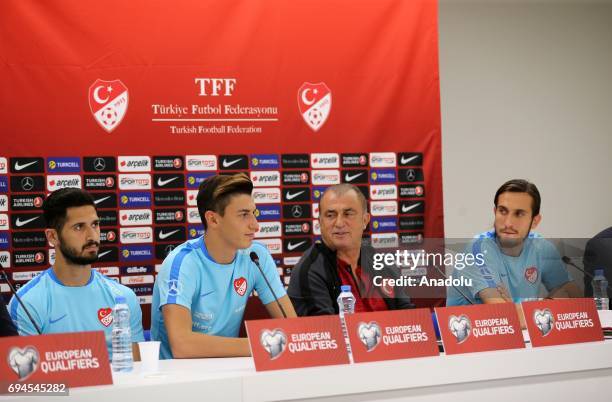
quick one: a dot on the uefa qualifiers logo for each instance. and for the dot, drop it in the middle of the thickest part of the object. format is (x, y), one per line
(543, 319)
(108, 102)
(24, 362)
(274, 342)
(314, 103)
(369, 334)
(460, 327)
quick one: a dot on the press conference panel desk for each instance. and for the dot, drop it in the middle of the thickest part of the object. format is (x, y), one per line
(581, 372)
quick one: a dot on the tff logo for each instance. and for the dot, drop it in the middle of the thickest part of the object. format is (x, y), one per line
(108, 102)
(314, 103)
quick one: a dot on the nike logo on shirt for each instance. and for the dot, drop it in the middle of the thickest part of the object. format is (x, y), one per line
(56, 320)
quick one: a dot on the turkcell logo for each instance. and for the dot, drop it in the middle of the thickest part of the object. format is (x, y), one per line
(268, 212)
(136, 199)
(383, 176)
(195, 231)
(194, 179)
(317, 193)
(4, 241)
(63, 165)
(384, 225)
(3, 184)
(264, 161)
(136, 253)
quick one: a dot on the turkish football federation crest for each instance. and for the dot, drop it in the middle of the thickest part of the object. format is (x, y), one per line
(314, 102)
(108, 102)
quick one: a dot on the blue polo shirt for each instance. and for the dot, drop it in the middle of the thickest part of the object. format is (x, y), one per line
(216, 294)
(538, 264)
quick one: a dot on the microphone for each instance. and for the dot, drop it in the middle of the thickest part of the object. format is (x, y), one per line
(255, 259)
(454, 287)
(14, 292)
(568, 261)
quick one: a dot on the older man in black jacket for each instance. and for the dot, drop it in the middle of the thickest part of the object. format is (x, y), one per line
(341, 259)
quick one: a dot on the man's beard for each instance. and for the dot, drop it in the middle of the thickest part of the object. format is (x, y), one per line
(71, 255)
(512, 242)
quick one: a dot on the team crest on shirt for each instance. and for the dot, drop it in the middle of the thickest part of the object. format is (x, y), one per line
(105, 315)
(531, 274)
(240, 285)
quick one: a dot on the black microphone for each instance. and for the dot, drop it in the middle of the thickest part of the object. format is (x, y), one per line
(568, 261)
(255, 259)
(14, 292)
(454, 287)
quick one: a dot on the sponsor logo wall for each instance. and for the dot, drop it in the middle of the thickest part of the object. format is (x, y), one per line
(142, 132)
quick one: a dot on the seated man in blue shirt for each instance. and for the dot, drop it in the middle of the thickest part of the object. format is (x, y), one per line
(516, 261)
(70, 296)
(203, 286)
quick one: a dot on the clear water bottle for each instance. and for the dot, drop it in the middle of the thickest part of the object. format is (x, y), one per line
(600, 290)
(346, 305)
(122, 360)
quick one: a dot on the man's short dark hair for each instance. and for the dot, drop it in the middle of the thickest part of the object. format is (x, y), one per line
(215, 192)
(521, 186)
(55, 205)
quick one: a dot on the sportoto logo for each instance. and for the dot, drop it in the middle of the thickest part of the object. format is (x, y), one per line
(460, 327)
(108, 102)
(274, 342)
(544, 320)
(314, 102)
(24, 362)
(369, 334)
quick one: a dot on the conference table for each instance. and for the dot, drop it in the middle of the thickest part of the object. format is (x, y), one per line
(560, 373)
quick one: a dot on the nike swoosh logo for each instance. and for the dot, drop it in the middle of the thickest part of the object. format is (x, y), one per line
(291, 196)
(163, 235)
(162, 183)
(352, 177)
(101, 199)
(207, 293)
(54, 321)
(411, 207)
(20, 223)
(103, 254)
(292, 247)
(227, 163)
(405, 161)
(25, 165)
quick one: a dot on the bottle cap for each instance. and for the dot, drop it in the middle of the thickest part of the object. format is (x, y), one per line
(345, 288)
(599, 272)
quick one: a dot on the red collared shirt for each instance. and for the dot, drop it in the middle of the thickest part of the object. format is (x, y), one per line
(367, 296)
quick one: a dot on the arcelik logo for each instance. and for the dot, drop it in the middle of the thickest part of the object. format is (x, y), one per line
(108, 102)
(314, 103)
(24, 362)
(460, 327)
(274, 342)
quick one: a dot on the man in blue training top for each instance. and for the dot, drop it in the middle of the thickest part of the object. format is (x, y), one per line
(516, 262)
(203, 286)
(70, 296)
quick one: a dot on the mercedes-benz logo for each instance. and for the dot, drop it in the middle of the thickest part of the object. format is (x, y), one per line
(27, 183)
(410, 175)
(169, 248)
(296, 211)
(99, 164)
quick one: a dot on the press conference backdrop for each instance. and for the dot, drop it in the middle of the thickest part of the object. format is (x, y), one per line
(139, 102)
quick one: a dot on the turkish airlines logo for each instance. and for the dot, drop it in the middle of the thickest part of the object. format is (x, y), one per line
(314, 103)
(108, 102)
